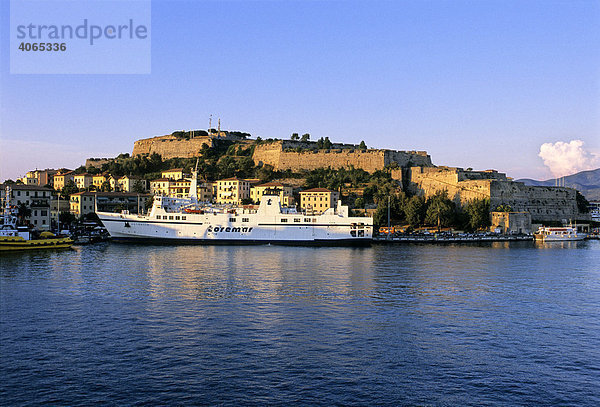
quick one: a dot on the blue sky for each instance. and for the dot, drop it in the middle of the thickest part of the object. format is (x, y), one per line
(479, 84)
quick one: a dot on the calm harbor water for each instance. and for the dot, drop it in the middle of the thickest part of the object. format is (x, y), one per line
(489, 324)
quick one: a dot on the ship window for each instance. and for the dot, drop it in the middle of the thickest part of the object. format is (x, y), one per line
(245, 220)
(232, 219)
(353, 233)
(176, 217)
(170, 218)
(284, 220)
(314, 220)
(183, 218)
(361, 233)
(296, 219)
(306, 219)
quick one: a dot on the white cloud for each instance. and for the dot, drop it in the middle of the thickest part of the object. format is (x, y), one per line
(568, 158)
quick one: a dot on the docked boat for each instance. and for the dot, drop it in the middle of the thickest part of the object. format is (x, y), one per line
(187, 220)
(558, 234)
(13, 237)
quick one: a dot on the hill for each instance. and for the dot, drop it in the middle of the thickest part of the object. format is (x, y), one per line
(586, 182)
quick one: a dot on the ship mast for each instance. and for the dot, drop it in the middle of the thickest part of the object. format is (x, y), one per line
(194, 184)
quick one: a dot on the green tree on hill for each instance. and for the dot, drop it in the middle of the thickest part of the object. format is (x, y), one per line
(305, 137)
(295, 136)
(478, 212)
(415, 210)
(440, 210)
(362, 145)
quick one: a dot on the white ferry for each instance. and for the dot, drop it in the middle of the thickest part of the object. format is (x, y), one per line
(186, 220)
(558, 234)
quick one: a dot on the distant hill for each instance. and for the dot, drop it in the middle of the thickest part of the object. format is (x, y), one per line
(586, 182)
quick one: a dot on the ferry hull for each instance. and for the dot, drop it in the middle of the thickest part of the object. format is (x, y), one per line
(218, 229)
(245, 242)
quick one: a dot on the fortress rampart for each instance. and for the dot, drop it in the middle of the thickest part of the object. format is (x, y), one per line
(282, 156)
(171, 146)
(543, 203)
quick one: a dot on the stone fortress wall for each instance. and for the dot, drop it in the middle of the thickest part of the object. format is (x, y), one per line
(171, 146)
(543, 203)
(282, 155)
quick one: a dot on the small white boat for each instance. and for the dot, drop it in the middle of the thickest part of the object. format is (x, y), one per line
(558, 234)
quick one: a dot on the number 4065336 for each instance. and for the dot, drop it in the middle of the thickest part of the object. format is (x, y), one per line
(43, 46)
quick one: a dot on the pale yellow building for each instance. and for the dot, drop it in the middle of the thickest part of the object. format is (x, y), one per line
(127, 183)
(160, 186)
(63, 178)
(181, 189)
(318, 200)
(28, 179)
(83, 181)
(175, 173)
(285, 193)
(232, 190)
(98, 180)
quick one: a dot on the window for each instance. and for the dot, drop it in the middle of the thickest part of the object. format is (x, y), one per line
(284, 220)
(170, 217)
(245, 220)
(306, 219)
(297, 220)
(183, 218)
(176, 217)
(44, 213)
(232, 220)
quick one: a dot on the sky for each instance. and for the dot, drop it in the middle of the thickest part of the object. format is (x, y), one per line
(481, 84)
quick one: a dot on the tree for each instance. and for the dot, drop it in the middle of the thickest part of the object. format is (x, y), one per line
(148, 204)
(138, 187)
(105, 187)
(305, 137)
(582, 204)
(440, 210)
(478, 212)
(327, 143)
(359, 202)
(362, 145)
(23, 211)
(415, 210)
(265, 173)
(295, 137)
(68, 189)
(397, 203)
(503, 208)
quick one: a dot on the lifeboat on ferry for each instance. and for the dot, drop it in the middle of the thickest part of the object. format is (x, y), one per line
(194, 211)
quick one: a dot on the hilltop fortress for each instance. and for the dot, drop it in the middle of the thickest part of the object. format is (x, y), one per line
(183, 144)
(413, 170)
(284, 155)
